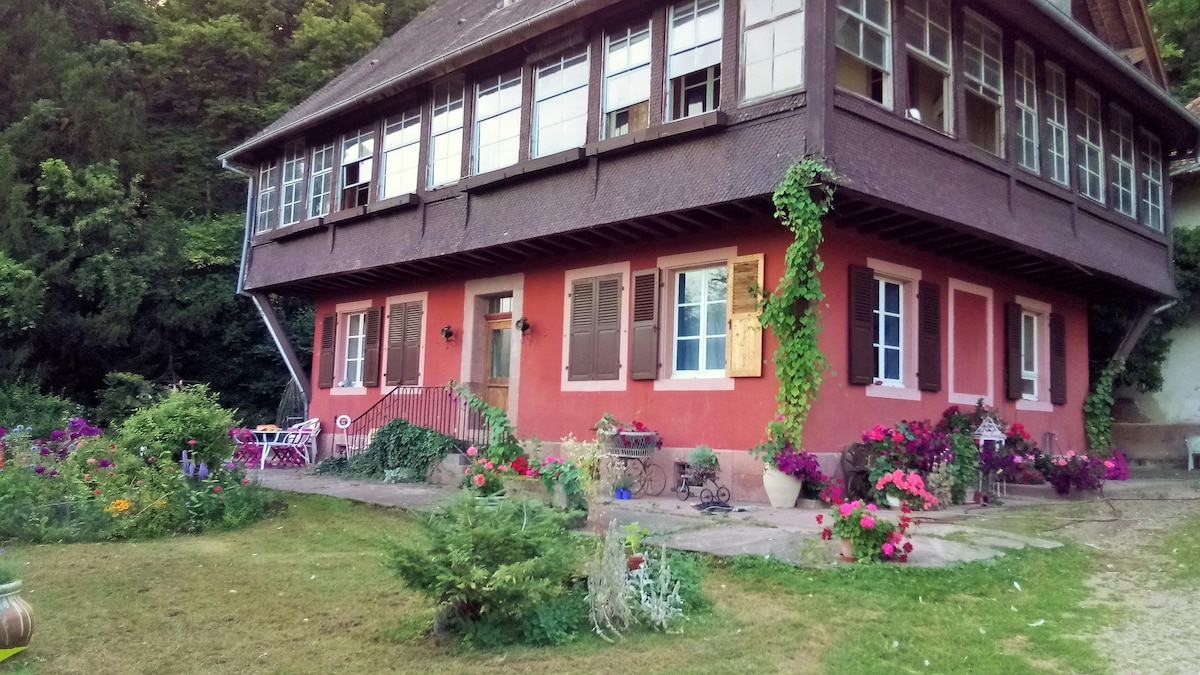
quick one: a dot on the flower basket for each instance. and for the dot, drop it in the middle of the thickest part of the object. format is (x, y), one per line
(630, 443)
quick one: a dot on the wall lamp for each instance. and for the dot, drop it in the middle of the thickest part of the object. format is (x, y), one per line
(522, 324)
(447, 332)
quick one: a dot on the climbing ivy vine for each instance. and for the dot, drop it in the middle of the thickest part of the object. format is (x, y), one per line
(1097, 409)
(790, 311)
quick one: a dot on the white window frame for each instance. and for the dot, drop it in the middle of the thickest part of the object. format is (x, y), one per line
(354, 343)
(705, 304)
(690, 53)
(909, 278)
(853, 14)
(358, 157)
(1152, 182)
(400, 168)
(558, 88)
(627, 71)
(320, 182)
(983, 70)
(1025, 96)
(1057, 125)
(446, 135)
(772, 47)
(497, 138)
(924, 29)
(1123, 157)
(268, 183)
(1039, 400)
(291, 195)
(1090, 163)
(1029, 322)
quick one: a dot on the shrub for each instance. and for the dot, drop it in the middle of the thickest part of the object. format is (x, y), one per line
(405, 448)
(187, 414)
(123, 395)
(22, 404)
(499, 573)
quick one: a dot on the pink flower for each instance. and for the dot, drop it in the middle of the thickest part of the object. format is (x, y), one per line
(876, 433)
(91, 460)
(141, 482)
(472, 451)
(872, 507)
(502, 467)
(217, 488)
(192, 442)
(867, 523)
(87, 476)
(245, 481)
(897, 437)
(845, 510)
(888, 549)
(96, 491)
(488, 464)
(915, 480)
(1070, 453)
(467, 471)
(152, 459)
(1108, 464)
(480, 480)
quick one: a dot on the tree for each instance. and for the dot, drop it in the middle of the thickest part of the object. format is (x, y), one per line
(1177, 29)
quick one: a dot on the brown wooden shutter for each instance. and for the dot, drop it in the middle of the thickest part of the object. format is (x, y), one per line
(643, 356)
(327, 350)
(743, 339)
(929, 337)
(608, 329)
(1012, 351)
(371, 347)
(1058, 359)
(861, 366)
(403, 344)
(582, 349)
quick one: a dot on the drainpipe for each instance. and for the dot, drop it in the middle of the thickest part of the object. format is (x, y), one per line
(261, 303)
(1137, 330)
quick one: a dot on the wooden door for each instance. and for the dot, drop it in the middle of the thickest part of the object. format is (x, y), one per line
(496, 366)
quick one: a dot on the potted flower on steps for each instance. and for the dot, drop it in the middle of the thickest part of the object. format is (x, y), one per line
(16, 617)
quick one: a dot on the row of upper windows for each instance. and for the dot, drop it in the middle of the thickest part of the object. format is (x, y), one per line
(340, 174)
(1128, 176)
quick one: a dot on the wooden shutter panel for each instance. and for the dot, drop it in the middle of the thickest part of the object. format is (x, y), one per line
(582, 350)
(608, 329)
(1012, 351)
(327, 349)
(371, 347)
(411, 369)
(861, 366)
(929, 337)
(643, 357)
(743, 339)
(1058, 359)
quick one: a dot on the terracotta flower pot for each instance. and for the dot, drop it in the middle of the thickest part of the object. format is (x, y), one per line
(16, 617)
(848, 550)
(635, 561)
(782, 489)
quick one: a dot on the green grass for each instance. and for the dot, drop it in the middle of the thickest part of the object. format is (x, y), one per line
(1181, 546)
(313, 597)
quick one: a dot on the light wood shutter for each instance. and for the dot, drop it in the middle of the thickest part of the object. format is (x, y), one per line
(743, 339)
(582, 350)
(1058, 359)
(608, 329)
(929, 337)
(327, 351)
(370, 376)
(861, 366)
(1012, 351)
(404, 344)
(643, 357)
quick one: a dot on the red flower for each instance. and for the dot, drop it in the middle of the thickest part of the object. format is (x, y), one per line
(827, 534)
(903, 558)
(216, 488)
(820, 518)
(96, 491)
(907, 547)
(904, 508)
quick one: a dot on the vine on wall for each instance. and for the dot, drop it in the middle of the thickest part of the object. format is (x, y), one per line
(1097, 409)
(801, 200)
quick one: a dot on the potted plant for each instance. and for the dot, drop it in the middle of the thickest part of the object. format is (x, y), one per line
(900, 488)
(703, 462)
(865, 536)
(634, 533)
(782, 486)
(16, 617)
(630, 439)
(622, 487)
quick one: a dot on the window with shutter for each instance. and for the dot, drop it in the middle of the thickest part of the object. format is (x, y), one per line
(894, 331)
(643, 358)
(1032, 354)
(595, 329)
(325, 362)
(374, 325)
(929, 337)
(861, 367)
(404, 344)
(1058, 359)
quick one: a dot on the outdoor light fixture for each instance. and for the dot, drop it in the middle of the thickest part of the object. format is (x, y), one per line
(522, 325)
(447, 332)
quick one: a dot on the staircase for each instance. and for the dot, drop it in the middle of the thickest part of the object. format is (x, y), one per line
(437, 408)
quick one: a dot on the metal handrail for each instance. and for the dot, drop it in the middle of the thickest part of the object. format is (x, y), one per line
(437, 408)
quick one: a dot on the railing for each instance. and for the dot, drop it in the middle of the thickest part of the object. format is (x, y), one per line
(436, 408)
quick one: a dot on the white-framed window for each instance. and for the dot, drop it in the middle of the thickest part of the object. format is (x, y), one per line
(889, 332)
(446, 135)
(927, 28)
(320, 182)
(772, 47)
(560, 103)
(1026, 98)
(1030, 360)
(401, 154)
(358, 157)
(355, 351)
(293, 186)
(497, 121)
(1058, 148)
(864, 51)
(268, 183)
(1033, 354)
(1124, 190)
(1091, 143)
(983, 58)
(699, 305)
(694, 58)
(1152, 181)
(627, 80)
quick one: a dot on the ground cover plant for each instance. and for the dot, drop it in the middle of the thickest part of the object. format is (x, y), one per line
(311, 582)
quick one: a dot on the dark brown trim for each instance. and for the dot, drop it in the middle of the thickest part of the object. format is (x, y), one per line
(1012, 351)
(395, 203)
(527, 168)
(1058, 359)
(929, 336)
(861, 363)
(643, 347)
(299, 228)
(715, 119)
(326, 351)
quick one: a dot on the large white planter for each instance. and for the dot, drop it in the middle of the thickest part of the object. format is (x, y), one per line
(782, 489)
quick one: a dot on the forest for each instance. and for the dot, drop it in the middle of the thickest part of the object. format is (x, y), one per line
(121, 233)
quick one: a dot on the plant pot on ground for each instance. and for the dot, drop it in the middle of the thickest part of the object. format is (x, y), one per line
(16, 617)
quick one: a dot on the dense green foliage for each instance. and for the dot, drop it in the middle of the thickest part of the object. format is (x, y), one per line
(21, 404)
(168, 428)
(406, 449)
(1177, 28)
(121, 233)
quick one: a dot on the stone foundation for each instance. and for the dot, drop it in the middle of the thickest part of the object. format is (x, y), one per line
(1156, 445)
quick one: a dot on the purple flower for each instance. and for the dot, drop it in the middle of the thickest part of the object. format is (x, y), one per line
(44, 450)
(230, 466)
(3, 431)
(57, 435)
(53, 473)
(203, 471)
(39, 469)
(104, 461)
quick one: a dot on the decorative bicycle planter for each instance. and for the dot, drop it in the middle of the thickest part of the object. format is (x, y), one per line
(633, 454)
(704, 481)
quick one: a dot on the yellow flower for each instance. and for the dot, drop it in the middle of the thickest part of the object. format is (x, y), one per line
(117, 507)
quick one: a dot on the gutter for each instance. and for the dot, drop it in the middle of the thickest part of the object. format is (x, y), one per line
(265, 311)
(437, 66)
(1136, 331)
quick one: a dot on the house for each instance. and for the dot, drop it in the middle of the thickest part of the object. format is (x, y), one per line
(553, 201)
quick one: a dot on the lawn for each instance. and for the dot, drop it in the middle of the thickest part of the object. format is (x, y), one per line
(304, 591)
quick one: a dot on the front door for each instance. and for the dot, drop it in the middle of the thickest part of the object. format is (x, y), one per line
(499, 343)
